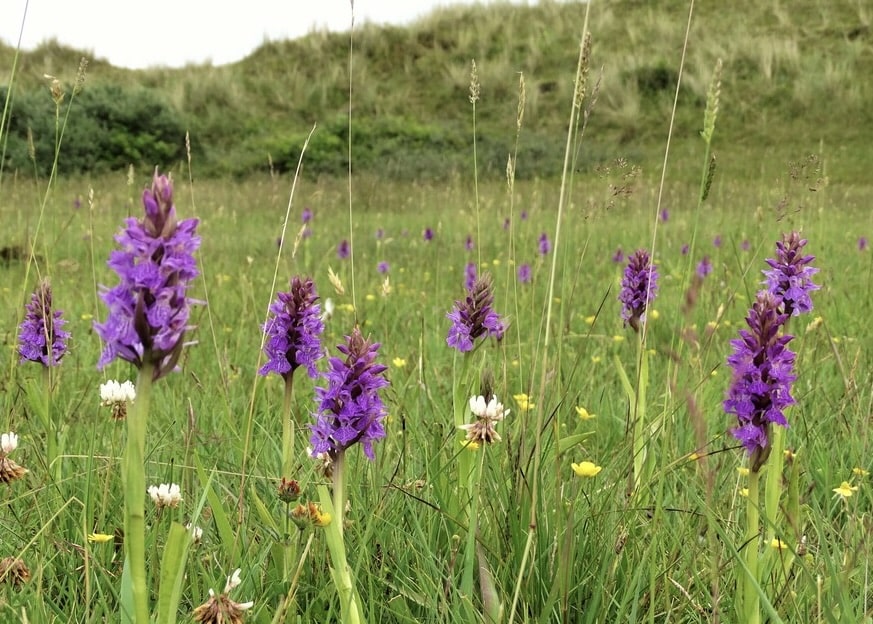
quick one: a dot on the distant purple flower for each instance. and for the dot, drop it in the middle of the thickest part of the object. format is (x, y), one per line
(470, 275)
(149, 308)
(40, 337)
(474, 317)
(306, 215)
(790, 276)
(684, 250)
(428, 234)
(524, 274)
(77, 202)
(350, 409)
(763, 370)
(665, 215)
(468, 244)
(382, 267)
(342, 250)
(618, 256)
(862, 243)
(380, 234)
(523, 215)
(506, 223)
(745, 245)
(705, 267)
(716, 242)
(292, 331)
(638, 288)
(544, 244)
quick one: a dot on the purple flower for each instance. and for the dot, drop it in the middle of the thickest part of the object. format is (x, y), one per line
(342, 250)
(618, 256)
(506, 223)
(77, 202)
(638, 288)
(716, 242)
(383, 267)
(292, 331)
(306, 215)
(350, 409)
(473, 317)
(790, 277)
(149, 308)
(705, 267)
(380, 234)
(524, 274)
(763, 370)
(307, 232)
(40, 337)
(745, 245)
(862, 243)
(523, 215)
(428, 234)
(665, 215)
(470, 275)
(684, 250)
(544, 244)
(468, 244)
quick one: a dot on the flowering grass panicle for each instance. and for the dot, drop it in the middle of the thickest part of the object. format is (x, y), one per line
(638, 288)
(149, 308)
(350, 409)
(474, 317)
(292, 332)
(41, 337)
(790, 276)
(763, 370)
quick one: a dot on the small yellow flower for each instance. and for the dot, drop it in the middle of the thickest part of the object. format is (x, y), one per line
(87, 317)
(586, 469)
(744, 492)
(846, 489)
(595, 359)
(347, 307)
(370, 297)
(590, 319)
(744, 472)
(398, 362)
(711, 325)
(524, 402)
(470, 445)
(859, 472)
(99, 538)
(618, 338)
(654, 315)
(322, 519)
(584, 414)
(496, 262)
(694, 457)
(778, 544)
(789, 454)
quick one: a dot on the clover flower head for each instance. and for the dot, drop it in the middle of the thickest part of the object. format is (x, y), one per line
(8, 442)
(41, 337)
(790, 276)
(9, 470)
(221, 609)
(117, 396)
(165, 495)
(350, 409)
(292, 331)
(638, 288)
(763, 371)
(488, 414)
(149, 307)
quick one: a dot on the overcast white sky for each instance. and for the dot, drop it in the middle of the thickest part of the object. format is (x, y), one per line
(138, 33)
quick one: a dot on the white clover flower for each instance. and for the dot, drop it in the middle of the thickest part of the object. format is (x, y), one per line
(117, 396)
(195, 531)
(8, 442)
(487, 415)
(165, 495)
(221, 608)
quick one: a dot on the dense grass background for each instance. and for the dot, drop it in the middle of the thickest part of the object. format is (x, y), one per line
(597, 555)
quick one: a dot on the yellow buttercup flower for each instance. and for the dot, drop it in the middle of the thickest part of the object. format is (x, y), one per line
(654, 315)
(590, 319)
(584, 414)
(398, 362)
(845, 490)
(744, 472)
(99, 538)
(694, 457)
(859, 472)
(778, 544)
(586, 469)
(744, 492)
(618, 338)
(523, 401)
(470, 445)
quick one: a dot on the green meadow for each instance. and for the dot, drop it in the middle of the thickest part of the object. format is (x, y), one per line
(434, 530)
